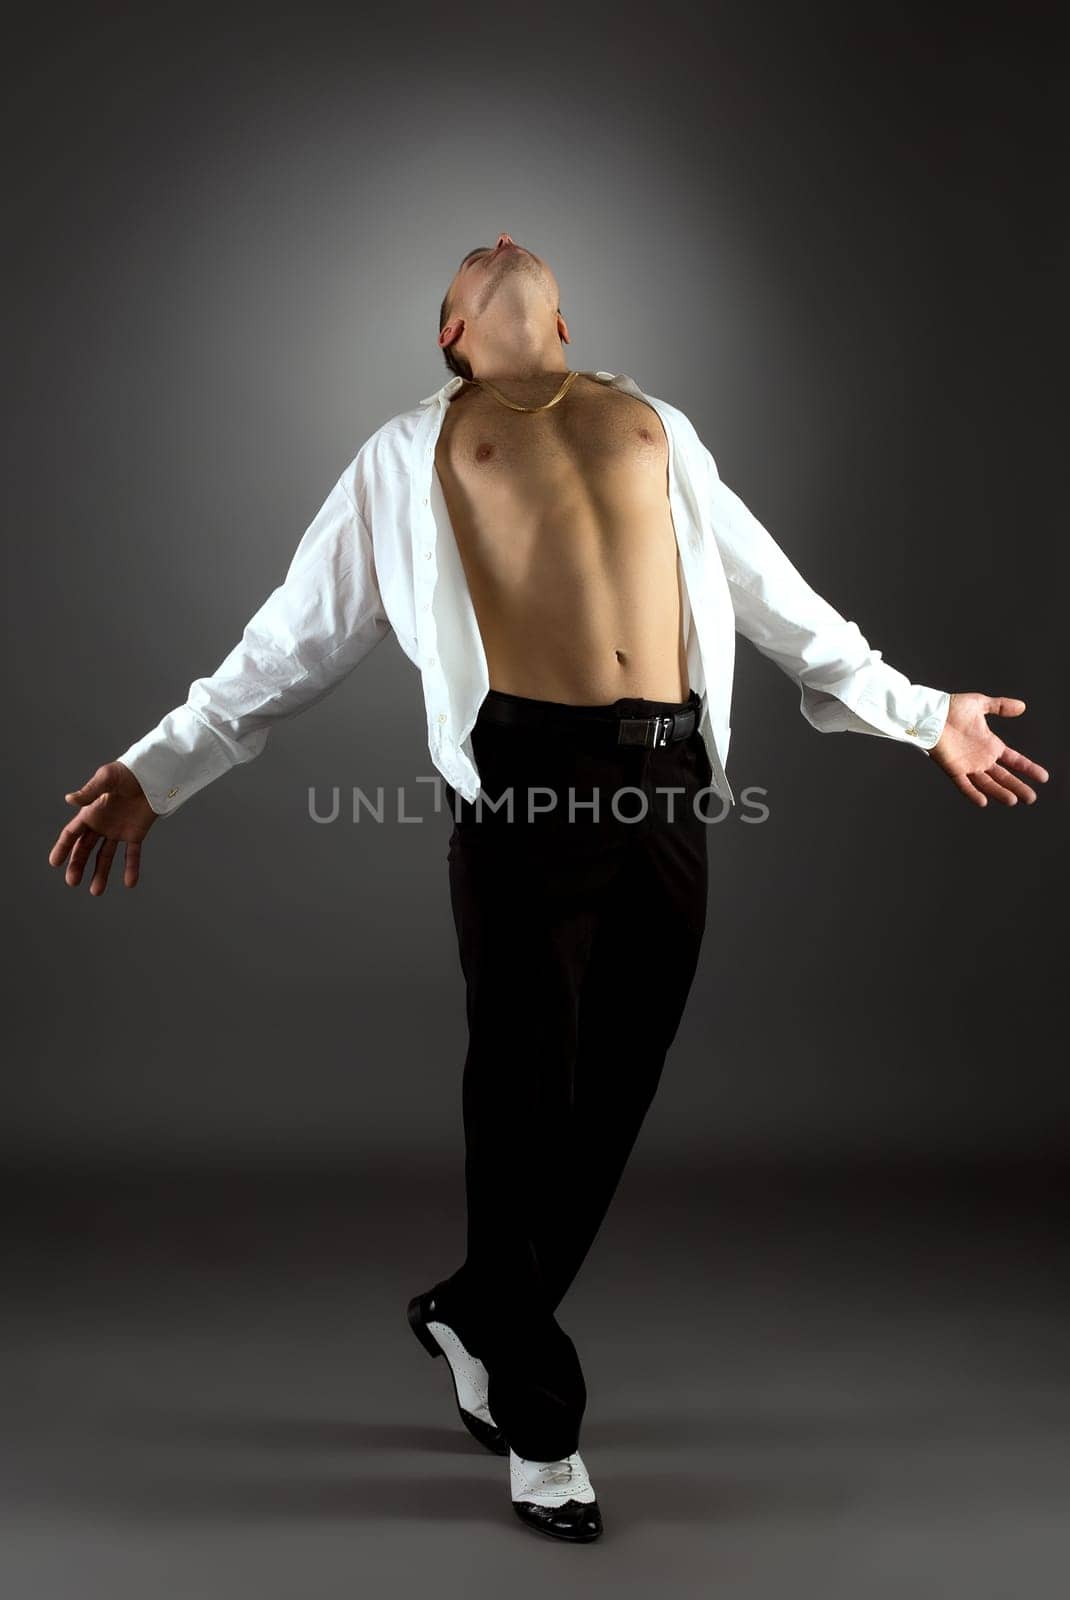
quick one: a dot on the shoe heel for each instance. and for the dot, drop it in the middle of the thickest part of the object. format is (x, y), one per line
(417, 1323)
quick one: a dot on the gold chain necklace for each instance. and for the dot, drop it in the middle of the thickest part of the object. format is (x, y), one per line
(560, 395)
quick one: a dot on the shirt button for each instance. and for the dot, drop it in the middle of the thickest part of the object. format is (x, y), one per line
(430, 661)
(427, 555)
(912, 731)
(442, 716)
(425, 499)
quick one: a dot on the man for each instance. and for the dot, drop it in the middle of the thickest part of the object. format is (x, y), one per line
(557, 554)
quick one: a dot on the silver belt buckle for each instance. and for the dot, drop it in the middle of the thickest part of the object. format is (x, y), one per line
(661, 730)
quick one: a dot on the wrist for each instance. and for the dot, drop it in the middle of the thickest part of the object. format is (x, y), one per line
(935, 746)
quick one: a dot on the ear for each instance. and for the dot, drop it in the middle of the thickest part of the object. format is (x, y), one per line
(562, 329)
(451, 333)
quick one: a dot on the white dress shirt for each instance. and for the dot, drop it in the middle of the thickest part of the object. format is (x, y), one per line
(381, 554)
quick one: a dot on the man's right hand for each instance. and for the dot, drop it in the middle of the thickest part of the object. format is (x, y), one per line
(112, 809)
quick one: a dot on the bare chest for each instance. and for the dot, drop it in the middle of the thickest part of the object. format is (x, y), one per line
(594, 438)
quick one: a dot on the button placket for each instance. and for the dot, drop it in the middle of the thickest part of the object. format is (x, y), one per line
(426, 627)
(426, 576)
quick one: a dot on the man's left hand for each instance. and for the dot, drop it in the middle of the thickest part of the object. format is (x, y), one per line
(976, 760)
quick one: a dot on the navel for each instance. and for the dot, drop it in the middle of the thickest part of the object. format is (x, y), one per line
(621, 657)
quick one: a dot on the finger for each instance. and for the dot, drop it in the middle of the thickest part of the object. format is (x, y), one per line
(1001, 706)
(62, 847)
(1015, 785)
(994, 790)
(96, 786)
(132, 868)
(1022, 764)
(105, 856)
(961, 780)
(83, 849)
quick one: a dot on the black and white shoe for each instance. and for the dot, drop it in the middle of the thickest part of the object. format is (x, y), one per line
(555, 1497)
(470, 1377)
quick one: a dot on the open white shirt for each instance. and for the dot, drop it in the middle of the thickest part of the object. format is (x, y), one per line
(381, 554)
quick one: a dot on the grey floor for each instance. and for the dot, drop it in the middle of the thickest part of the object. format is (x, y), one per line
(848, 1384)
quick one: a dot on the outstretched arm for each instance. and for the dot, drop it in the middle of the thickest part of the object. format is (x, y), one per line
(845, 684)
(310, 632)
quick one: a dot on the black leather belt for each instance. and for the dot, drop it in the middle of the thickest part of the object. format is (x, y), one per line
(650, 732)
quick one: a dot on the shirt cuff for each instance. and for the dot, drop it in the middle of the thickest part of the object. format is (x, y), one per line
(916, 716)
(176, 758)
(893, 708)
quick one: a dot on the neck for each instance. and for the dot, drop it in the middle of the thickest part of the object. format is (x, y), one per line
(525, 355)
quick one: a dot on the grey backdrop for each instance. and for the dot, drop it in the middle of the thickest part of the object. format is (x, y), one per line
(834, 242)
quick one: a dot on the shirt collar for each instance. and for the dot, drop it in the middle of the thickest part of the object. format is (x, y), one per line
(450, 387)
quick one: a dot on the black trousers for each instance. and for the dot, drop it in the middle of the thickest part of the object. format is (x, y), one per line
(579, 933)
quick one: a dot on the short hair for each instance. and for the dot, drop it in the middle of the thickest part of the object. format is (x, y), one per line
(457, 364)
